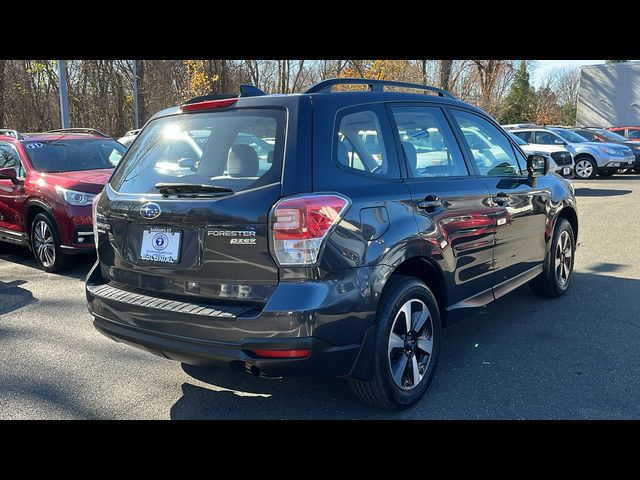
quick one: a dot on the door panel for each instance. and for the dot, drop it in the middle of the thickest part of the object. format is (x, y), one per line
(520, 207)
(453, 210)
(12, 196)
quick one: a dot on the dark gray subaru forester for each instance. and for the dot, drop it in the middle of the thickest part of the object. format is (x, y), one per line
(325, 233)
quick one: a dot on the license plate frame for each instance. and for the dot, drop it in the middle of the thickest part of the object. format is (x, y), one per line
(160, 245)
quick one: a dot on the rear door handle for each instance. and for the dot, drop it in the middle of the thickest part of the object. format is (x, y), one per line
(430, 201)
(500, 198)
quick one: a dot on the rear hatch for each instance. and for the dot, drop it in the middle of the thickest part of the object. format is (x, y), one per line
(186, 213)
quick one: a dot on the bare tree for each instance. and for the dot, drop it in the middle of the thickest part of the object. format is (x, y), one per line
(2, 102)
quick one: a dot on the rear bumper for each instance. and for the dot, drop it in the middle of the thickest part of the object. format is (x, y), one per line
(324, 359)
(329, 317)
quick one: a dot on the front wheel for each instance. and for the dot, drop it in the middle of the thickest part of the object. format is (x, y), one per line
(406, 346)
(556, 276)
(45, 242)
(586, 168)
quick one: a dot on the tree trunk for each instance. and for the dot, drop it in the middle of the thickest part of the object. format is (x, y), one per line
(142, 111)
(445, 73)
(2, 102)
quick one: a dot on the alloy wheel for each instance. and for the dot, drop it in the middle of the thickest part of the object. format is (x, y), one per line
(44, 244)
(584, 169)
(563, 259)
(410, 344)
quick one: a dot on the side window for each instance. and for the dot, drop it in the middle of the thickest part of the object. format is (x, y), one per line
(545, 138)
(591, 136)
(428, 142)
(526, 136)
(634, 134)
(9, 159)
(491, 149)
(620, 131)
(360, 145)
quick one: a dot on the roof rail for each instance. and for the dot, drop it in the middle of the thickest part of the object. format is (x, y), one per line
(11, 133)
(514, 126)
(92, 131)
(374, 85)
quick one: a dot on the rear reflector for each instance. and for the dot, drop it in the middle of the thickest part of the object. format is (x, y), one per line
(300, 224)
(283, 353)
(208, 105)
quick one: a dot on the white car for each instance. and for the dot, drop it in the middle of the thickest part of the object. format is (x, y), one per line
(129, 137)
(559, 158)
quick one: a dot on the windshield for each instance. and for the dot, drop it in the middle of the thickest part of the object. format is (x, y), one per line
(569, 136)
(225, 149)
(517, 139)
(612, 137)
(49, 156)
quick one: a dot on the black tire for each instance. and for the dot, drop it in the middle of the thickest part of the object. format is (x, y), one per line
(53, 260)
(607, 173)
(636, 169)
(548, 284)
(587, 170)
(382, 390)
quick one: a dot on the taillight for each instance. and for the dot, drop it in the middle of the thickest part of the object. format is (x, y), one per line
(299, 226)
(208, 105)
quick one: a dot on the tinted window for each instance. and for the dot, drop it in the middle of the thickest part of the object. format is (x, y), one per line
(517, 139)
(591, 136)
(9, 159)
(635, 134)
(225, 149)
(619, 131)
(610, 136)
(360, 145)
(545, 138)
(73, 155)
(526, 136)
(428, 143)
(491, 148)
(569, 136)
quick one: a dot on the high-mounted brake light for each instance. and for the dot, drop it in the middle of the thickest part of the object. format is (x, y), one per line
(300, 225)
(208, 105)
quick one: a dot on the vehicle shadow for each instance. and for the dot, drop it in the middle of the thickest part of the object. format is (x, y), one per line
(600, 192)
(79, 265)
(12, 297)
(520, 357)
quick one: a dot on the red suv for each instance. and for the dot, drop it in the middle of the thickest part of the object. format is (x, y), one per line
(47, 184)
(632, 133)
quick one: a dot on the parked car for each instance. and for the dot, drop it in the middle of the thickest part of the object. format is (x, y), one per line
(335, 260)
(630, 133)
(601, 135)
(128, 138)
(591, 158)
(47, 183)
(559, 159)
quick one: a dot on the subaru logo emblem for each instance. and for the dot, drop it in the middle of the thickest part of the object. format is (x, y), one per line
(150, 210)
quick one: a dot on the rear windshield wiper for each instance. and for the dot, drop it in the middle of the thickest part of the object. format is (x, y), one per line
(167, 189)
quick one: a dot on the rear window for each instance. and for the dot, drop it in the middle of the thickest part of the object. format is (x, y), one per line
(50, 156)
(238, 149)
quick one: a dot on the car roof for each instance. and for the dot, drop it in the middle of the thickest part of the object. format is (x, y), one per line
(340, 99)
(30, 137)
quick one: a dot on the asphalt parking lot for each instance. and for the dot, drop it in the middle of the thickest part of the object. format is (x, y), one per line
(577, 357)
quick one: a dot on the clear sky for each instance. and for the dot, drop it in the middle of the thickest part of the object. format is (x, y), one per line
(544, 66)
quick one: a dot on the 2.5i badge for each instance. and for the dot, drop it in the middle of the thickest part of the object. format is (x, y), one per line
(236, 237)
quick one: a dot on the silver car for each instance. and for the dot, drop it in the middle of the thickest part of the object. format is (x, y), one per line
(591, 158)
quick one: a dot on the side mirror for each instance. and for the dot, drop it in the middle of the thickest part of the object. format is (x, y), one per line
(9, 174)
(189, 163)
(537, 166)
(560, 142)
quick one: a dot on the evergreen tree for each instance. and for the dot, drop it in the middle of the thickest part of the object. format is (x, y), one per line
(517, 106)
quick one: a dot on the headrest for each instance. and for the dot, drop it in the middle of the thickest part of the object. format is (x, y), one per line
(243, 161)
(411, 154)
